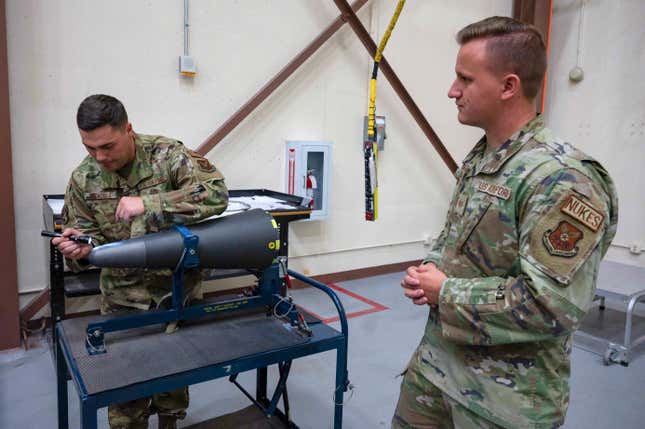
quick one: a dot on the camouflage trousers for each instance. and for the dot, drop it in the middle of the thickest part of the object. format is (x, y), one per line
(423, 406)
(169, 406)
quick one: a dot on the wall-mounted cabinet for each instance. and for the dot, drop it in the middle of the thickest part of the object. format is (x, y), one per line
(308, 173)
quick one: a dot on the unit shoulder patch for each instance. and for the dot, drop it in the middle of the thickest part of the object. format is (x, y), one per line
(564, 236)
(203, 163)
(583, 212)
(562, 240)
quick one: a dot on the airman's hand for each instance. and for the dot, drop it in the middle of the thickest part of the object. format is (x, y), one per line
(422, 284)
(128, 208)
(71, 249)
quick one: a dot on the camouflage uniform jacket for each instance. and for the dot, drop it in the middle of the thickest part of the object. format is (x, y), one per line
(176, 185)
(525, 232)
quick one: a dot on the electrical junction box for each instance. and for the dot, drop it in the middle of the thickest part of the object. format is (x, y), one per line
(187, 66)
(308, 174)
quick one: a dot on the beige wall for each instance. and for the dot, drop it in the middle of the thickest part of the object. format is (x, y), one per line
(60, 52)
(604, 114)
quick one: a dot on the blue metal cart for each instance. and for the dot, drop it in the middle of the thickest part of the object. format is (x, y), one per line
(144, 361)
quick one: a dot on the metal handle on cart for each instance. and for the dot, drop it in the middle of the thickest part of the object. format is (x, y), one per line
(330, 293)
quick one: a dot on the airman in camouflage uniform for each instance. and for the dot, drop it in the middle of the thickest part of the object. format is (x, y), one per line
(511, 275)
(130, 185)
(176, 186)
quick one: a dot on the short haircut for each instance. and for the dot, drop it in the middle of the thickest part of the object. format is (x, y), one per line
(511, 46)
(98, 110)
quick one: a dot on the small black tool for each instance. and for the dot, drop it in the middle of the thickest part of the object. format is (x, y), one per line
(78, 238)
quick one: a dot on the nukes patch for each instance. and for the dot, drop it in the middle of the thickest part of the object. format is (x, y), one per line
(562, 237)
(583, 212)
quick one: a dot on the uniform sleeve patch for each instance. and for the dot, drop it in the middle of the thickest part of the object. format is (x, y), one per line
(562, 240)
(205, 165)
(564, 237)
(583, 212)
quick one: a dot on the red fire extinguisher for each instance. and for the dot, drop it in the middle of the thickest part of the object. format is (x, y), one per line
(310, 185)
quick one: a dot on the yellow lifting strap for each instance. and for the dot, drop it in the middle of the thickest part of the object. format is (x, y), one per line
(370, 147)
(386, 36)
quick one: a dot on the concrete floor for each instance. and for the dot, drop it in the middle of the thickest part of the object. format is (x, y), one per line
(381, 341)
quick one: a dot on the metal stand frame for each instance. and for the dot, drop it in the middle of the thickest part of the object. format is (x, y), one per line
(620, 353)
(620, 283)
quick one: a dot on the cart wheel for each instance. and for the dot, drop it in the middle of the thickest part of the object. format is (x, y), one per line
(610, 355)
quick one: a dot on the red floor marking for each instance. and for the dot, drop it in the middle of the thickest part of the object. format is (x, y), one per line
(376, 307)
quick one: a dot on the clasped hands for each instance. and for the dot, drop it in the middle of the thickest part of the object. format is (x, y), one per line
(422, 284)
(127, 208)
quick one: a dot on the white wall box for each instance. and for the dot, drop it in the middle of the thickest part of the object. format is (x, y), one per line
(308, 173)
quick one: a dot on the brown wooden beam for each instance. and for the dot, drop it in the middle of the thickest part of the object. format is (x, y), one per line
(524, 10)
(274, 83)
(9, 307)
(396, 83)
(537, 13)
(34, 306)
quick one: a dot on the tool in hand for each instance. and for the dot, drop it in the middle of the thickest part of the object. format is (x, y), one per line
(78, 238)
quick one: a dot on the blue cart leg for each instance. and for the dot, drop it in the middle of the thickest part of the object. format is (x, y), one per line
(261, 386)
(88, 414)
(61, 381)
(341, 386)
